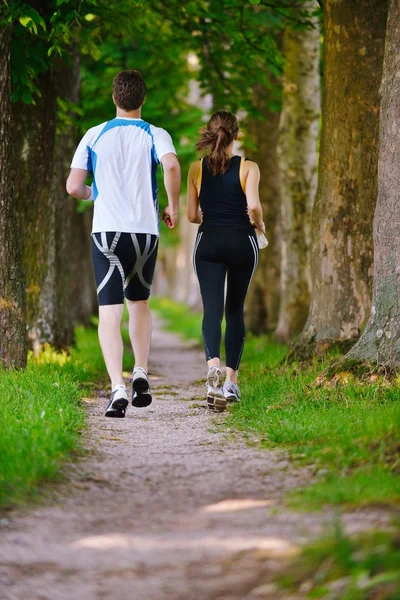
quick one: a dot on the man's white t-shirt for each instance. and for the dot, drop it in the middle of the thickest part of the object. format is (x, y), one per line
(123, 155)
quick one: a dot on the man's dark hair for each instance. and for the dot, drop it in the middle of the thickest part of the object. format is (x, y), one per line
(129, 90)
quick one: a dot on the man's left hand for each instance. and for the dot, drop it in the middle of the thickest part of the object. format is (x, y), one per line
(170, 218)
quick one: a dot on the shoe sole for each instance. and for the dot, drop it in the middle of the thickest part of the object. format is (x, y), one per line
(210, 402)
(115, 414)
(214, 382)
(219, 404)
(216, 404)
(142, 396)
(117, 409)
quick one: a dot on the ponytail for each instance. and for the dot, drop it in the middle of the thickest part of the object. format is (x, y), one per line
(215, 137)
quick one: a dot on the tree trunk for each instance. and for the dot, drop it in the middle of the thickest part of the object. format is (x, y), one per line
(83, 297)
(12, 289)
(380, 342)
(262, 304)
(297, 153)
(34, 137)
(341, 247)
(65, 242)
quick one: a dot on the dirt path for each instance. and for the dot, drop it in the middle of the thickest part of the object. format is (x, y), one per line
(166, 506)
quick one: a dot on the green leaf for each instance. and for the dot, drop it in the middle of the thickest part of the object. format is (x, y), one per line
(31, 19)
(255, 1)
(26, 96)
(28, 23)
(59, 2)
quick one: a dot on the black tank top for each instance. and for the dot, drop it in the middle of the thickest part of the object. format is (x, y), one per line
(222, 199)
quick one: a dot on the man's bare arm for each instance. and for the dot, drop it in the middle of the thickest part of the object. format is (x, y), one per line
(76, 184)
(172, 182)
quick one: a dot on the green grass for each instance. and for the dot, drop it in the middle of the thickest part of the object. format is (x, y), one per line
(178, 318)
(363, 567)
(41, 416)
(349, 431)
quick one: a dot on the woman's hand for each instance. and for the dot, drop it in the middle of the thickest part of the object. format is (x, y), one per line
(260, 227)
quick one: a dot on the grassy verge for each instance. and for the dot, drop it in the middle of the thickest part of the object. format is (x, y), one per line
(364, 567)
(348, 431)
(41, 416)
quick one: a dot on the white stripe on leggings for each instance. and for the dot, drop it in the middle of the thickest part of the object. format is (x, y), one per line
(195, 250)
(255, 250)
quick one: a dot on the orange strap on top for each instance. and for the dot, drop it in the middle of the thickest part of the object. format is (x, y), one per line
(199, 177)
(241, 174)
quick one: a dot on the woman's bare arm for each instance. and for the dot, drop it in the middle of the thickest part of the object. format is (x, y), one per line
(193, 210)
(253, 196)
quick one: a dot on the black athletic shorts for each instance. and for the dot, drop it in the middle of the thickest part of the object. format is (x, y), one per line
(123, 265)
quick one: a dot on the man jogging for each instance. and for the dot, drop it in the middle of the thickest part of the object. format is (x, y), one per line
(122, 155)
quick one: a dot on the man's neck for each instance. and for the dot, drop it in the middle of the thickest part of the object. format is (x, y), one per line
(130, 114)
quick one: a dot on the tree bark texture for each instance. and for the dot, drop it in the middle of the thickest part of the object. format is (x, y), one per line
(297, 153)
(262, 304)
(380, 341)
(12, 288)
(34, 138)
(341, 246)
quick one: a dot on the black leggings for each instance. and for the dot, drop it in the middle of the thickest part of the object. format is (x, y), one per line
(219, 255)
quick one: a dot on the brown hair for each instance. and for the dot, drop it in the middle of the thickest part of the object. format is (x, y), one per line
(215, 137)
(129, 90)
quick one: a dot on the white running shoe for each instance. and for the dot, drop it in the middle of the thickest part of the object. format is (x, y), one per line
(118, 402)
(231, 392)
(140, 388)
(215, 398)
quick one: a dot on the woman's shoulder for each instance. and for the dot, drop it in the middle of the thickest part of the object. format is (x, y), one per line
(250, 165)
(194, 169)
(195, 166)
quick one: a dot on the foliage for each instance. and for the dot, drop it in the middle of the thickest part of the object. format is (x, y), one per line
(366, 566)
(234, 40)
(235, 43)
(52, 28)
(347, 431)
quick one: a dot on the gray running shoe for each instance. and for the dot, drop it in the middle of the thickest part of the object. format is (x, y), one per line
(215, 397)
(140, 388)
(118, 402)
(231, 392)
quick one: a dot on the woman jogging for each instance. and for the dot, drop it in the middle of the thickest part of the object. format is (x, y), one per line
(223, 197)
